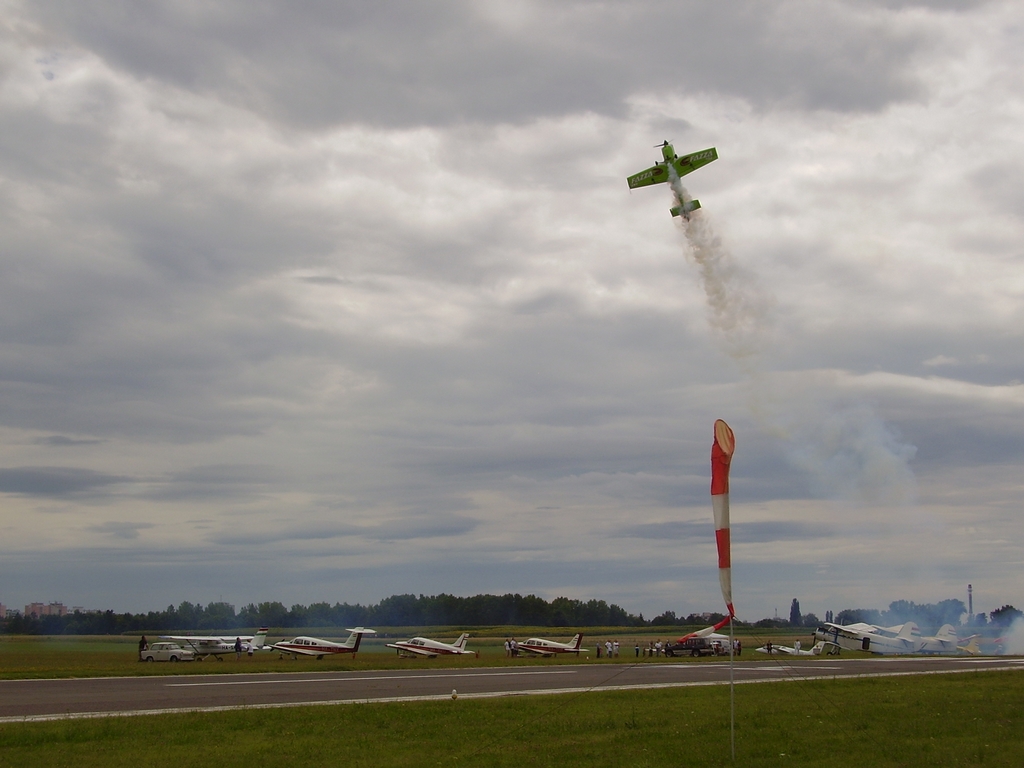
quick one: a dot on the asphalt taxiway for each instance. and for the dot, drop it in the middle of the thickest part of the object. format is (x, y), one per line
(28, 700)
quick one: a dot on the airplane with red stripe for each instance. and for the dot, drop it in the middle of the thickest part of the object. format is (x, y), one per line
(314, 646)
(542, 647)
(424, 646)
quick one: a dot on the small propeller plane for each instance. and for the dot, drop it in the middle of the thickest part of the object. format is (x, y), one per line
(542, 647)
(219, 646)
(424, 646)
(817, 649)
(314, 646)
(659, 173)
(945, 641)
(905, 638)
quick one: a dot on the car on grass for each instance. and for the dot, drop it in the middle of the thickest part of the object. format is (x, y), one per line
(694, 646)
(167, 652)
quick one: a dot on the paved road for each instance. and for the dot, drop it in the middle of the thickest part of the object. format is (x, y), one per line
(49, 699)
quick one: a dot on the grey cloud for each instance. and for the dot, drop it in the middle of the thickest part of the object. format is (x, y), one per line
(55, 482)
(119, 529)
(61, 441)
(226, 481)
(742, 532)
(404, 63)
(170, 322)
(399, 530)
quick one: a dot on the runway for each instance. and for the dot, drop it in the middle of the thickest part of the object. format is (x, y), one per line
(32, 700)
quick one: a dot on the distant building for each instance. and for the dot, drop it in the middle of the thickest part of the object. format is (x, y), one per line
(38, 610)
(3, 611)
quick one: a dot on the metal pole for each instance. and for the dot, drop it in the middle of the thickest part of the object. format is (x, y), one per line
(732, 695)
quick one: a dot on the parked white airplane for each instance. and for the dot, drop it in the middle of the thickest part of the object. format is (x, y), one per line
(218, 646)
(423, 646)
(314, 646)
(945, 641)
(542, 647)
(868, 637)
(819, 648)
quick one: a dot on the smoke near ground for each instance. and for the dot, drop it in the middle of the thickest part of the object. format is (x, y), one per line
(1013, 639)
(847, 451)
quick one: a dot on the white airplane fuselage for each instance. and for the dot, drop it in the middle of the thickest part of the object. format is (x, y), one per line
(868, 637)
(315, 646)
(424, 646)
(219, 645)
(541, 647)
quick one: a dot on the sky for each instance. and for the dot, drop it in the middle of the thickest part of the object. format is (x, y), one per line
(338, 300)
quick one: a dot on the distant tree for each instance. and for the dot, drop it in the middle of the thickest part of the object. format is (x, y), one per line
(668, 618)
(794, 613)
(1005, 616)
(855, 615)
(809, 620)
(272, 614)
(926, 614)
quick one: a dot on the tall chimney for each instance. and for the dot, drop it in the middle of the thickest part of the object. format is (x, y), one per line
(970, 602)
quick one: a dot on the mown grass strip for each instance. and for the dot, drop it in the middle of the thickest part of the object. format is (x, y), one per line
(952, 720)
(24, 657)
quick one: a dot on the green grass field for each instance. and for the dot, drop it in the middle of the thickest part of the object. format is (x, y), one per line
(950, 720)
(107, 656)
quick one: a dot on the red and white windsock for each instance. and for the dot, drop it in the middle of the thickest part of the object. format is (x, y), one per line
(721, 458)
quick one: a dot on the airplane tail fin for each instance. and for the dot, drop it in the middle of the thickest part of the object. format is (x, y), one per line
(911, 637)
(971, 646)
(908, 631)
(947, 632)
(461, 642)
(685, 210)
(577, 641)
(260, 638)
(356, 637)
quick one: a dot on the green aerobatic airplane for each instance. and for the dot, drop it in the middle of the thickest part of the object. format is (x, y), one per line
(659, 174)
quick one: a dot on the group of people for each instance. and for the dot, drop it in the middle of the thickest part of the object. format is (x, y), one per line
(611, 649)
(511, 648)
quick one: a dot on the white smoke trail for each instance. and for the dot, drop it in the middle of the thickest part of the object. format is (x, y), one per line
(847, 451)
(738, 309)
(1013, 638)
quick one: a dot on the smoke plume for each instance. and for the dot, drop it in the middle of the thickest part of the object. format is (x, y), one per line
(1013, 638)
(847, 451)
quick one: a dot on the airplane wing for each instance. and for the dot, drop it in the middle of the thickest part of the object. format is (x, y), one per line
(656, 174)
(690, 163)
(301, 650)
(536, 651)
(207, 640)
(418, 651)
(854, 631)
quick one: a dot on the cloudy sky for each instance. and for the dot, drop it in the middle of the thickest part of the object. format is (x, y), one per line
(339, 300)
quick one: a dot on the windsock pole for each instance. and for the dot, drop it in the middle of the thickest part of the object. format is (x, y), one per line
(721, 459)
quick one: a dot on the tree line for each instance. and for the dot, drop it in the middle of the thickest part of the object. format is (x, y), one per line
(394, 611)
(450, 610)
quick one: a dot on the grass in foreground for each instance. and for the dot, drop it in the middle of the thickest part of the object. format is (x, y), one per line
(952, 720)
